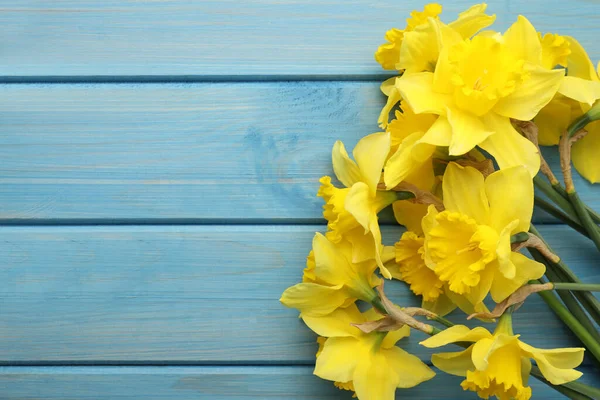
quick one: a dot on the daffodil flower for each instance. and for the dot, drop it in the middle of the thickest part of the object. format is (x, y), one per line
(331, 280)
(352, 212)
(411, 268)
(368, 363)
(479, 84)
(410, 158)
(423, 49)
(499, 364)
(579, 90)
(388, 54)
(468, 244)
(417, 48)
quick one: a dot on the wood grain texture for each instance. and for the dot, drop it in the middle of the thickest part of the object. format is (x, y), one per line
(203, 294)
(180, 153)
(229, 39)
(204, 383)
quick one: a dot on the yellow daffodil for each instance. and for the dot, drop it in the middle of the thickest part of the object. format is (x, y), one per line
(331, 280)
(499, 364)
(417, 48)
(388, 54)
(479, 84)
(579, 90)
(412, 269)
(411, 153)
(352, 212)
(423, 49)
(468, 244)
(368, 363)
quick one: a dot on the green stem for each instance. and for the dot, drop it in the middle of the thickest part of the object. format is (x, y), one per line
(561, 190)
(591, 391)
(376, 302)
(404, 195)
(567, 297)
(443, 321)
(564, 389)
(592, 287)
(578, 124)
(558, 214)
(519, 237)
(588, 300)
(559, 200)
(585, 218)
(576, 327)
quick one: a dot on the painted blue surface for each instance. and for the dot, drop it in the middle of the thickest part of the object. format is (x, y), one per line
(153, 209)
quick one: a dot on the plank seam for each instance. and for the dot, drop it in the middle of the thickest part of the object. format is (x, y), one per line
(141, 79)
(186, 222)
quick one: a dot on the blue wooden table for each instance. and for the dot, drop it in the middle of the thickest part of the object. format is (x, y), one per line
(159, 162)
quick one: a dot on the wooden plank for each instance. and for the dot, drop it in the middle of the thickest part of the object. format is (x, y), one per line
(179, 153)
(229, 39)
(193, 383)
(201, 294)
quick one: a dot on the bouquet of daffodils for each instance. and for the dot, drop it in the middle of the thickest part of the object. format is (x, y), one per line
(458, 159)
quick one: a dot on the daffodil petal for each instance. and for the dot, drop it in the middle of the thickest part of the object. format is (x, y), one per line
(392, 337)
(523, 40)
(409, 214)
(417, 90)
(314, 299)
(456, 333)
(526, 269)
(441, 306)
(468, 131)
(582, 90)
(393, 99)
(439, 134)
(337, 323)
(420, 48)
(375, 231)
(471, 21)
(386, 370)
(329, 260)
(423, 176)
(411, 369)
(570, 357)
(454, 363)
(525, 370)
(504, 252)
(364, 208)
(464, 192)
(579, 62)
(464, 304)
(402, 162)
(363, 246)
(388, 85)
(552, 121)
(359, 204)
(510, 195)
(585, 153)
(345, 169)
(370, 154)
(339, 358)
(532, 95)
(557, 364)
(508, 147)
